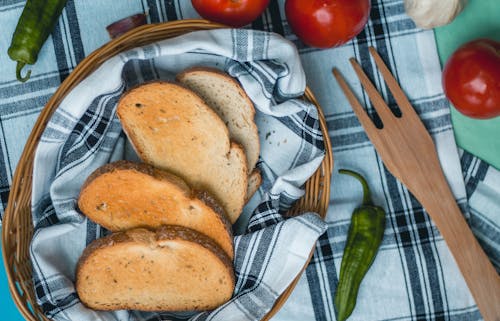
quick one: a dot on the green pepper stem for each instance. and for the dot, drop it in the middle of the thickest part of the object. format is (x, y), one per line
(19, 67)
(367, 198)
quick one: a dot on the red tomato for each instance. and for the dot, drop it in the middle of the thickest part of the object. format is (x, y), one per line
(471, 79)
(327, 23)
(235, 13)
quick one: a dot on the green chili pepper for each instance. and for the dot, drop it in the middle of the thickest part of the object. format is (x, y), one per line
(34, 27)
(363, 240)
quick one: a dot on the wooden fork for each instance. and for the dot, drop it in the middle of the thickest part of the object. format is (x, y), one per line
(408, 152)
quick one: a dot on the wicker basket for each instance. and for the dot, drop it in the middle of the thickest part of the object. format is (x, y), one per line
(17, 223)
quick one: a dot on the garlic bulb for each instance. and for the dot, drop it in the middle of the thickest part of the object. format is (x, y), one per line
(433, 13)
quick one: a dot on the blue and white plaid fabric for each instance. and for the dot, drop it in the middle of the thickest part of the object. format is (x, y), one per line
(413, 277)
(84, 133)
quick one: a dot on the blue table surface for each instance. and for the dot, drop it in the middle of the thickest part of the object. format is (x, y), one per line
(8, 309)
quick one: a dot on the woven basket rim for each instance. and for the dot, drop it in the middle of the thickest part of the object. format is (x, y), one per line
(17, 224)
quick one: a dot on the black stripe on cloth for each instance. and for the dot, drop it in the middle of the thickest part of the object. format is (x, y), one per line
(163, 316)
(309, 221)
(265, 72)
(264, 215)
(44, 289)
(260, 43)
(250, 270)
(416, 244)
(421, 105)
(254, 306)
(4, 196)
(485, 232)
(474, 171)
(11, 7)
(240, 45)
(66, 61)
(54, 133)
(286, 202)
(371, 71)
(62, 64)
(74, 32)
(464, 314)
(400, 226)
(48, 216)
(356, 136)
(6, 3)
(313, 128)
(374, 30)
(170, 10)
(154, 12)
(258, 24)
(466, 160)
(308, 133)
(357, 140)
(364, 60)
(399, 23)
(93, 232)
(25, 106)
(52, 310)
(303, 155)
(268, 175)
(426, 280)
(263, 22)
(5, 172)
(37, 83)
(381, 32)
(322, 277)
(90, 131)
(238, 69)
(276, 24)
(384, 48)
(433, 276)
(141, 71)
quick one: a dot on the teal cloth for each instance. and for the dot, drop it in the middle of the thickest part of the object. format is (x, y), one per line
(480, 19)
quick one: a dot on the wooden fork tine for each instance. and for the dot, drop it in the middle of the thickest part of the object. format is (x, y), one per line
(378, 102)
(397, 92)
(363, 117)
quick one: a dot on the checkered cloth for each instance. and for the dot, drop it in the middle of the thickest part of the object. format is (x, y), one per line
(84, 133)
(413, 276)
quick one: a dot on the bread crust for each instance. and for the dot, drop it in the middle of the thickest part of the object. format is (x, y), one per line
(152, 240)
(254, 182)
(139, 167)
(226, 77)
(160, 175)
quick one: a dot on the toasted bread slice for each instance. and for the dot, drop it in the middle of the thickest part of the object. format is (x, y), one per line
(254, 181)
(171, 269)
(172, 128)
(226, 97)
(124, 195)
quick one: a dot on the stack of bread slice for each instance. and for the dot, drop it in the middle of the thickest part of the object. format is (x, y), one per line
(172, 247)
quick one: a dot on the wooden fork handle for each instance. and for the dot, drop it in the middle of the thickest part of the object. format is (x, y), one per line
(477, 270)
